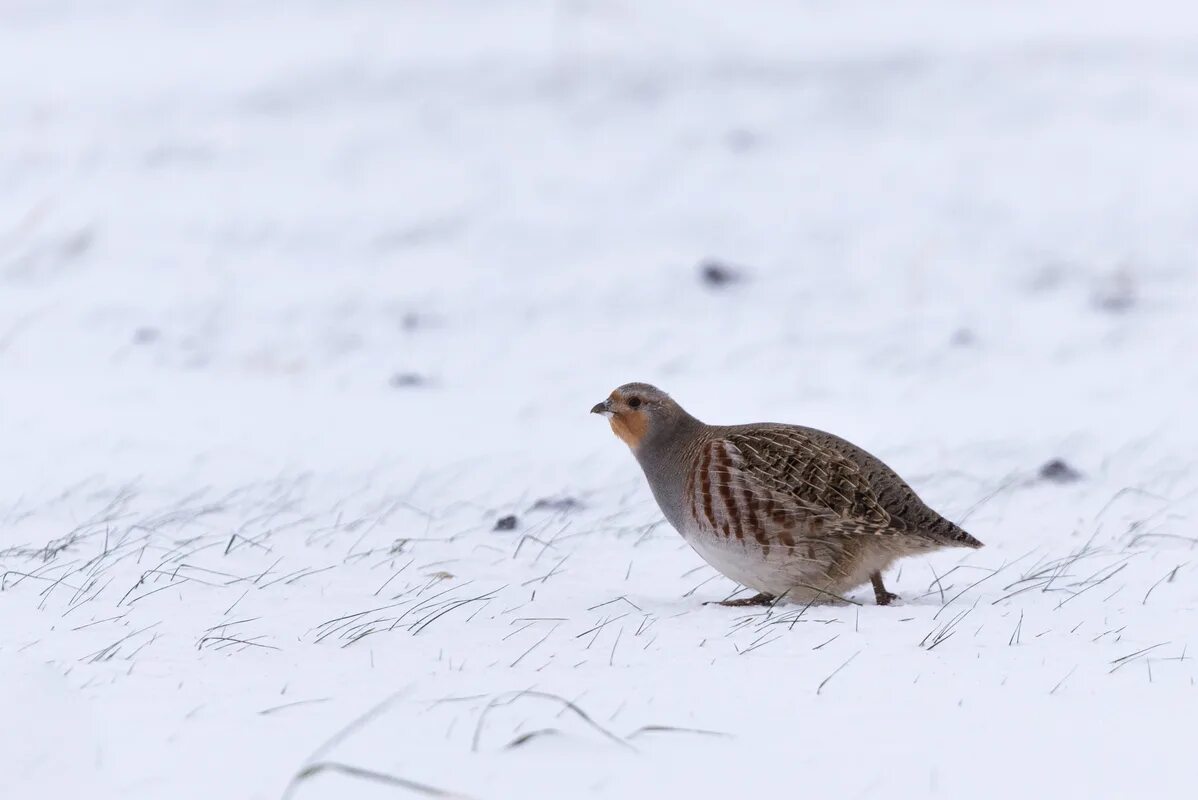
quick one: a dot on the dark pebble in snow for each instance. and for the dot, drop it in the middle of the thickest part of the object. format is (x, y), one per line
(1059, 471)
(741, 140)
(406, 380)
(146, 335)
(507, 523)
(717, 274)
(556, 504)
(964, 337)
(1116, 294)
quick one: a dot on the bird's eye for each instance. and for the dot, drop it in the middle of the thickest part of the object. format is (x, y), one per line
(634, 402)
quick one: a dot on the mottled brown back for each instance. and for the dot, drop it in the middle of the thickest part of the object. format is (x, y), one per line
(837, 482)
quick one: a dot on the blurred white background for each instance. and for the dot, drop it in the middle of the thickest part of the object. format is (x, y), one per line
(298, 298)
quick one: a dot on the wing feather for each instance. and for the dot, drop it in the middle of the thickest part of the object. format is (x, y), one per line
(810, 481)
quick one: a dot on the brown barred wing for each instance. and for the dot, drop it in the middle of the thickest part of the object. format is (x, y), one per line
(815, 479)
(734, 501)
(823, 471)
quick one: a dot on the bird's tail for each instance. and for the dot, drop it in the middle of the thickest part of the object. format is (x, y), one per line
(954, 535)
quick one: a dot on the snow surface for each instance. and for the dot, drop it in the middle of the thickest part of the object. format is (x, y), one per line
(297, 299)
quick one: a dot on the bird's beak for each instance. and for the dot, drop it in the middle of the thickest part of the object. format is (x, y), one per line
(603, 408)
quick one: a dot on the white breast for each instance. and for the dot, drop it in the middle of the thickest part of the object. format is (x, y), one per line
(744, 562)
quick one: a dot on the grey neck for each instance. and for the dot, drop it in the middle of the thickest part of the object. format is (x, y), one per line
(665, 456)
(667, 437)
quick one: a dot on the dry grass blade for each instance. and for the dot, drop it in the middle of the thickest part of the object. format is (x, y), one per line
(1123, 661)
(377, 777)
(1061, 682)
(1168, 577)
(825, 593)
(672, 729)
(824, 682)
(1003, 566)
(336, 739)
(946, 631)
(1090, 586)
(1015, 634)
(938, 584)
(513, 697)
(525, 738)
(538, 643)
(430, 619)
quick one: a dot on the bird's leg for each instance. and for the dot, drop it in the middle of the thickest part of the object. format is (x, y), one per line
(761, 599)
(883, 597)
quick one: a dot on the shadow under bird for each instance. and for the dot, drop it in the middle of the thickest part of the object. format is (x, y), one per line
(793, 513)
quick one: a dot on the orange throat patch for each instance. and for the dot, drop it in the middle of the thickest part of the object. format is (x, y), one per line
(630, 426)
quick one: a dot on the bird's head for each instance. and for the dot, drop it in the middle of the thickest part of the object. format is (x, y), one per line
(638, 411)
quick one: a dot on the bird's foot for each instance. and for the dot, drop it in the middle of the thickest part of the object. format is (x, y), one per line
(761, 599)
(885, 598)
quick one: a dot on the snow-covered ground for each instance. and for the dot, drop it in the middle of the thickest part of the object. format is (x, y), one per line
(298, 299)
